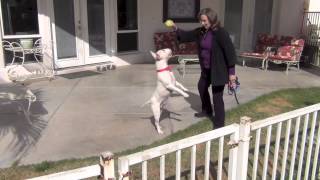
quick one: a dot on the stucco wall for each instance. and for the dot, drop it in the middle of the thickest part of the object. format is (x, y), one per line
(286, 20)
(151, 21)
(287, 17)
(290, 17)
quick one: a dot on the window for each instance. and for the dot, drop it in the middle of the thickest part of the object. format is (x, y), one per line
(127, 38)
(19, 17)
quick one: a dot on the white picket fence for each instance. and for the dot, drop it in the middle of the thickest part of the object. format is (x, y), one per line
(298, 152)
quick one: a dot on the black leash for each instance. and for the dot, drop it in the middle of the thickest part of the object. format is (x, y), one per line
(235, 96)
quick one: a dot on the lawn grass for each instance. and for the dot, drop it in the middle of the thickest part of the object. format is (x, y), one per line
(265, 106)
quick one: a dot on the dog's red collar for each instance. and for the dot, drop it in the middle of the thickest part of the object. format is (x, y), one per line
(168, 68)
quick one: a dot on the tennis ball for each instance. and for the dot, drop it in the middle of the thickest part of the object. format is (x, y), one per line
(169, 23)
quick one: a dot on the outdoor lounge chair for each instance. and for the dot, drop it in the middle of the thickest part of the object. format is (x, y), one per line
(264, 45)
(186, 52)
(289, 55)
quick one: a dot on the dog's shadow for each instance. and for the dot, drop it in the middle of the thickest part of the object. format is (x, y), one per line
(193, 100)
(165, 114)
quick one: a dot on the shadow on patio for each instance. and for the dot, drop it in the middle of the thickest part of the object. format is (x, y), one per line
(20, 130)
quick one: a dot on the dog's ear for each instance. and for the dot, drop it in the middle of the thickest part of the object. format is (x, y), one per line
(155, 55)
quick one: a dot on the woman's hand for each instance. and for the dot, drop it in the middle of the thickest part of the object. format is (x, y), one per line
(232, 81)
(174, 26)
(170, 24)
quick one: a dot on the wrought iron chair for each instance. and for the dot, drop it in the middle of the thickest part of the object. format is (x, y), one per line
(38, 50)
(6, 45)
(18, 52)
(10, 92)
(21, 72)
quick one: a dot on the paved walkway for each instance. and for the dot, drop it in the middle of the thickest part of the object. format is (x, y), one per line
(84, 114)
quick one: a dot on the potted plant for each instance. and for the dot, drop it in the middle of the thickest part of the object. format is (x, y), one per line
(26, 43)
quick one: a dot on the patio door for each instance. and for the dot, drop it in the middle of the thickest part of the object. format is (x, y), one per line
(80, 32)
(244, 19)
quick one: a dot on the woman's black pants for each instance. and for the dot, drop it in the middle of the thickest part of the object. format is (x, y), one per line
(217, 98)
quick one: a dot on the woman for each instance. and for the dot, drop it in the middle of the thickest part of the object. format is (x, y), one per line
(217, 61)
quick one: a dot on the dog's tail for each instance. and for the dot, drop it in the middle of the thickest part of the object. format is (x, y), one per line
(148, 102)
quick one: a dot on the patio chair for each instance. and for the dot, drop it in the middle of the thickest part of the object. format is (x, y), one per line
(265, 45)
(285, 40)
(289, 54)
(18, 52)
(39, 48)
(6, 45)
(16, 49)
(28, 72)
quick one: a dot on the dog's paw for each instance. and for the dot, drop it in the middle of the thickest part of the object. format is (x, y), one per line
(159, 130)
(186, 95)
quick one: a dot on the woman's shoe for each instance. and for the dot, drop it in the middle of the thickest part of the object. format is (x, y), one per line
(217, 126)
(202, 115)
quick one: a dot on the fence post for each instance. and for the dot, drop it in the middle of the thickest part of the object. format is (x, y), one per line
(123, 167)
(107, 166)
(244, 145)
(233, 144)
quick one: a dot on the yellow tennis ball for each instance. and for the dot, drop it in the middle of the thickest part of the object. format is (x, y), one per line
(169, 23)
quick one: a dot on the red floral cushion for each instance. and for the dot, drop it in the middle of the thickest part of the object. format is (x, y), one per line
(285, 40)
(169, 40)
(288, 53)
(188, 48)
(265, 40)
(166, 40)
(290, 49)
(297, 42)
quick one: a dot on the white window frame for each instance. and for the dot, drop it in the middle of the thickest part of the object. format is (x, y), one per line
(127, 31)
(19, 36)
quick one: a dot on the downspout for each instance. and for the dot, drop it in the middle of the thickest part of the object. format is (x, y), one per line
(2, 60)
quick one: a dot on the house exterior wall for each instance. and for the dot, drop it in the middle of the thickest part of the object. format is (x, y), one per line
(289, 17)
(286, 20)
(2, 65)
(151, 21)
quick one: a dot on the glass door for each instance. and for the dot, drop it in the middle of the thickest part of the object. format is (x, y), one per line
(79, 32)
(262, 18)
(245, 19)
(67, 33)
(233, 20)
(95, 29)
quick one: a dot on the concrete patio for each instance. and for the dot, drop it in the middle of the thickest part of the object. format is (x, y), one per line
(83, 114)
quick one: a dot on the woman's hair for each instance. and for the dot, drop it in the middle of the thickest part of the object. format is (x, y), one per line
(212, 17)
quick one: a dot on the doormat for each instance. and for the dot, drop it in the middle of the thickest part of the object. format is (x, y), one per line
(81, 74)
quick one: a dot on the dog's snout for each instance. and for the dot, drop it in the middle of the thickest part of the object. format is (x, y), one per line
(169, 52)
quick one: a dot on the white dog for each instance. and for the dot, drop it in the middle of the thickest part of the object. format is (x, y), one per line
(165, 85)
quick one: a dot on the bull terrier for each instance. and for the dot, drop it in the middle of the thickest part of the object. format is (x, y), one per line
(166, 84)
